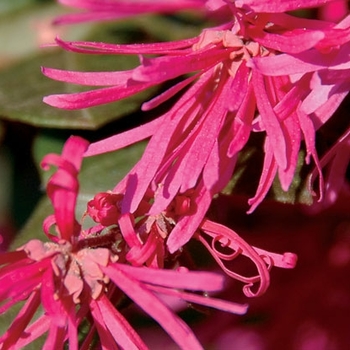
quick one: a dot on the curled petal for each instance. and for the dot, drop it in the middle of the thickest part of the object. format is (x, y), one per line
(263, 260)
(63, 186)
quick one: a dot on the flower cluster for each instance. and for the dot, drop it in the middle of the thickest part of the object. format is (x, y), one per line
(259, 70)
(80, 275)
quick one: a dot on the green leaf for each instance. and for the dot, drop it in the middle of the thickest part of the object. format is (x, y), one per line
(22, 86)
(7, 7)
(103, 172)
(298, 191)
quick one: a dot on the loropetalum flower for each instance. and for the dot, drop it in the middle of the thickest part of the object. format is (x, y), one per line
(79, 277)
(263, 70)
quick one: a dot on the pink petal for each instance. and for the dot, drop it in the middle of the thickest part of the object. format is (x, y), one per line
(96, 97)
(337, 159)
(21, 321)
(21, 280)
(162, 48)
(334, 11)
(222, 162)
(211, 171)
(156, 101)
(270, 119)
(120, 329)
(124, 139)
(72, 325)
(279, 5)
(308, 130)
(223, 305)
(127, 228)
(137, 256)
(154, 154)
(290, 42)
(88, 78)
(186, 114)
(153, 306)
(293, 137)
(205, 281)
(63, 186)
(291, 22)
(11, 257)
(196, 148)
(285, 260)
(107, 341)
(333, 38)
(325, 112)
(55, 338)
(34, 331)
(337, 174)
(308, 61)
(325, 84)
(242, 124)
(203, 139)
(53, 307)
(266, 179)
(165, 68)
(187, 225)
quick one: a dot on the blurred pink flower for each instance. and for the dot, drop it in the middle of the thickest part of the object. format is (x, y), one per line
(97, 10)
(80, 275)
(334, 11)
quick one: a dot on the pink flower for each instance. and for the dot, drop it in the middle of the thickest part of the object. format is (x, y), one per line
(321, 85)
(96, 10)
(195, 145)
(79, 276)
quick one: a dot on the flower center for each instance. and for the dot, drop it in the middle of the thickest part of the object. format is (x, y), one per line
(76, 268)
(242, 50)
